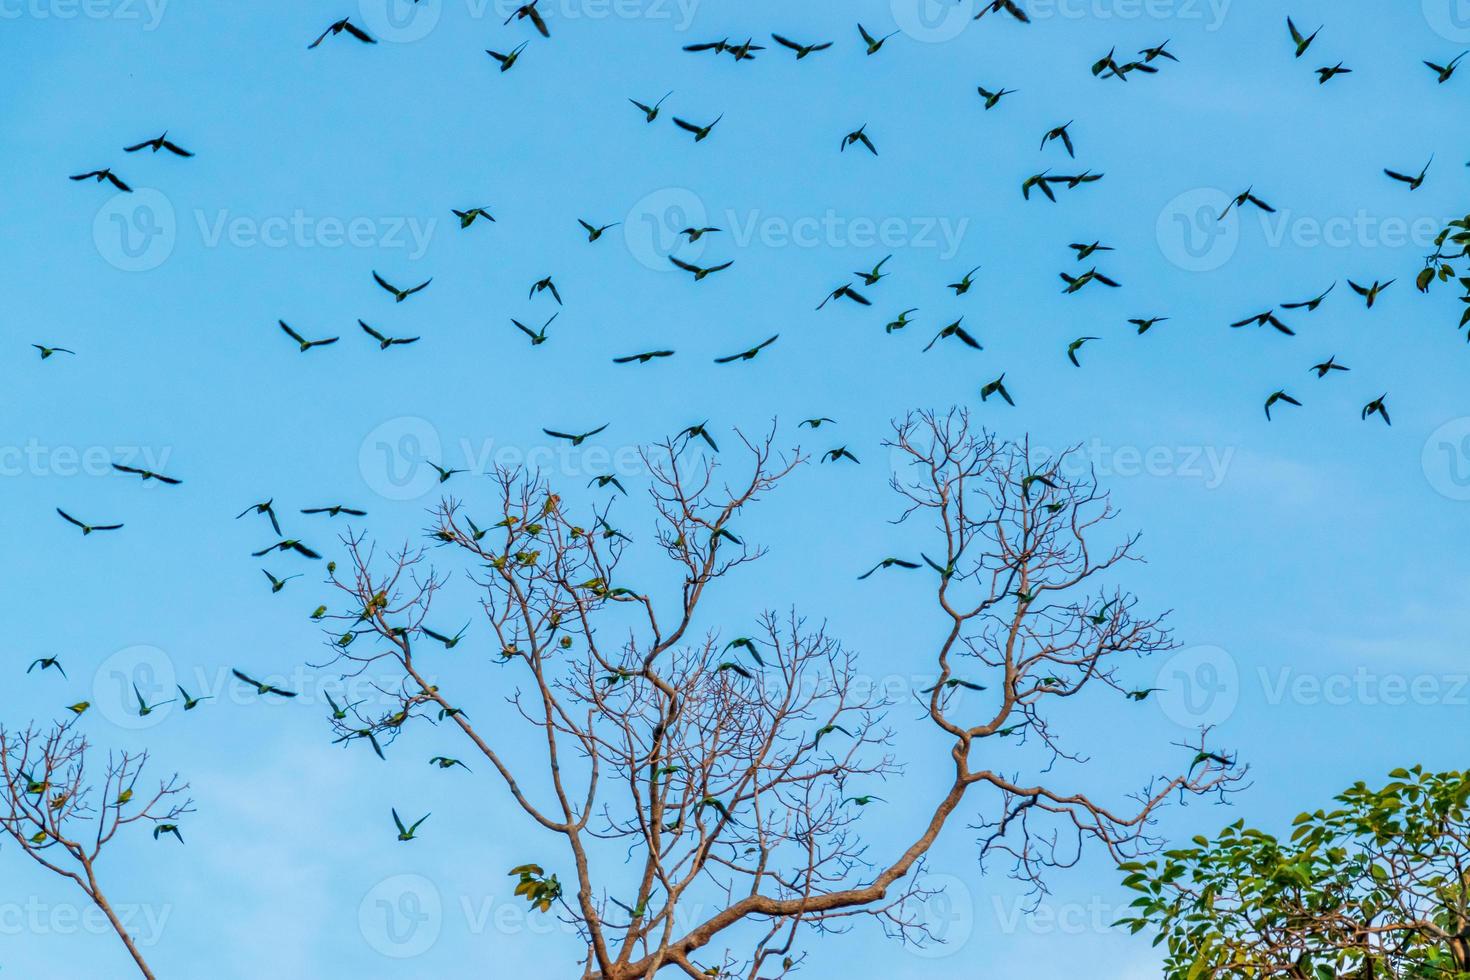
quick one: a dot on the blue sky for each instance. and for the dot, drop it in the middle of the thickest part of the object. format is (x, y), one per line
(1314, 564)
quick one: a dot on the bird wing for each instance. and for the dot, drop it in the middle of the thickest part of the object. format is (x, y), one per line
(356, 32)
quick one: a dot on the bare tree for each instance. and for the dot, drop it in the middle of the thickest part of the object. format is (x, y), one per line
(730, 773)
(63, 821)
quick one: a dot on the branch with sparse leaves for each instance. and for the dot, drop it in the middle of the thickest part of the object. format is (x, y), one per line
(709, 788)
(62, 820)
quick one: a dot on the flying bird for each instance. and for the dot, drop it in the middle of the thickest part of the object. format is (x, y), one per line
(399, 295)
(595, 232)
(47, 663)
(144, 708)
(1302, 43)
(1328, 365)
(1310, 305)
(575, 440)
(529, 12)
(450, 642)
(266, 508)
(1074, 347)
(262, 687)
(993, 98)
(384, 341)
(106, 174)
(996, 387)
(845, 291)
(286, 544)
(643, 358)
(507, 61)
(966, 281)
(888, 563)
(159, 143)
(742, 52)
(1060, 133)
(537, 338)
(335, 510)
(1279, 396)
(901, 321)
(469, 216)
(1245, 197)
(86, 528)
(875, 44)
(545, 285)
(407, 833)
(277, 584)
(1083, 251)
(1008, 6)
(1446, 72)
(840, 453)
(1370, 293)
(341, 26)
(302, 343)
(48, 351)
(1325, 75)
(1145, 324)
(871, 277)
(802, 50)
(701, 133)
(1040, 182)
(699, 272)
(718, 47)
(650, 112)
(956, 331)
(1377, 407)
(146, 475)
(1076, 283)
(1150, 54)
(749, 353)
(859, 135)
(1268, 318)
(699, 431)
(1414, 182)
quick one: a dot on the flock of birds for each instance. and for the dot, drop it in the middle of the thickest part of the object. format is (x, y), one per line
(855, 290)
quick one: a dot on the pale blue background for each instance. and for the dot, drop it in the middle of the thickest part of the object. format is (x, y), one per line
(1317, 545)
